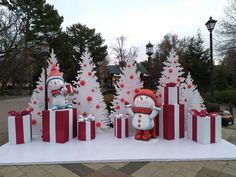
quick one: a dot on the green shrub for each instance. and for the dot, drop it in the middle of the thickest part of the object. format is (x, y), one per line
(224, 96)
(212, 106)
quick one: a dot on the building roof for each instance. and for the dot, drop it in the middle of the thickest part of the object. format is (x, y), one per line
(115, 69)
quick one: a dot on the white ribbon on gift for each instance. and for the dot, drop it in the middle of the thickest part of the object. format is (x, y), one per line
(120, 116)
(89, 118)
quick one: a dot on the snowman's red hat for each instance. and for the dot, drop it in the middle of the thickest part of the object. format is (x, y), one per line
(54, 74)
(148, 93)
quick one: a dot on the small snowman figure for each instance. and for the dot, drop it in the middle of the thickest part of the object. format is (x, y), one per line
(143, 114)
(57, 87)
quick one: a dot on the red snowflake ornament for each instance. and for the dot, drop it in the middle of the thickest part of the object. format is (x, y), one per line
(170, 70)
(118, 107)
(90, 73)
(40, 88)
(189, 86)
(122, 85)
(136, 90)
(131, 77)
(85, 114)
(34, 121)
(89, 98)
(82, 83)
(97, 106)
(122, 100)
(98, 124)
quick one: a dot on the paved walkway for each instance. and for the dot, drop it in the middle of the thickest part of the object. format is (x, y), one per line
(133, 169)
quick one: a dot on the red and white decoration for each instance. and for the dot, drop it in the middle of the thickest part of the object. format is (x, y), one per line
(171, 122)
(19, 127)
(58, 125)
(172, 72)
(204, 127)
(170, 93)
(121, 126)
(86, 128)
(171, 118)
(88, 95)
(128, 85)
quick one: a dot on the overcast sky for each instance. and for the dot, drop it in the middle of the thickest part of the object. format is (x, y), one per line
(141, 20)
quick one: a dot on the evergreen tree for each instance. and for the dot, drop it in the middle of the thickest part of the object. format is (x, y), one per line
(196, 61)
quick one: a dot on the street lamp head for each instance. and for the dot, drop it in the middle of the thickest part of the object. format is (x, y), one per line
(149, 49)
(210, 24)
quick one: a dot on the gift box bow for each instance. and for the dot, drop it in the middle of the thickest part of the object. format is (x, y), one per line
(170, 84)
(89, 118)
(121, 116)
(203, 113)
(15, 113)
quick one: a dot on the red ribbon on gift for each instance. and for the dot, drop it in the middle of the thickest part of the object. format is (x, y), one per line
(22, 113)
(203, 114)
(171, 84)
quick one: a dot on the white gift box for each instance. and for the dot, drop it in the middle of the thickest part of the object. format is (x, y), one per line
(19, 129)
(204, 129)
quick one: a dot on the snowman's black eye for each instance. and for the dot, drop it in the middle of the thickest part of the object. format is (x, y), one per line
(146, 97)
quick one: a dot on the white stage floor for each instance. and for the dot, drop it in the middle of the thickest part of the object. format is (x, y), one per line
(106, 148)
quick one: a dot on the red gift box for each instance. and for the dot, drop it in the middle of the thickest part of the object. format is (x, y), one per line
(121, 127)
(204, 127)
(170, 94)
(171, 121)
(59, 126)
(19, 127)
(86, 130)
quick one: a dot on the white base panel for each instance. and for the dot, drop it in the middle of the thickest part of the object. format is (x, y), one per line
(107, 148)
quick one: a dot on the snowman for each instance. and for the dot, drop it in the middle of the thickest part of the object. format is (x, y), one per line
(57, 87)
(143, 114)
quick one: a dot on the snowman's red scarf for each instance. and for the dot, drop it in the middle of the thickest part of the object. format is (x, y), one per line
(142, 110)
(56, 92)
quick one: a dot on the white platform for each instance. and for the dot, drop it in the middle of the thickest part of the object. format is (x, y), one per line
(106, 148)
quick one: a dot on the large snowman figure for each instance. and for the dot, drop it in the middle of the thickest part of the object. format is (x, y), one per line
(56, 85)
(143, 114)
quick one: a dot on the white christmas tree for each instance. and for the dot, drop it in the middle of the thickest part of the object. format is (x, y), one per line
(172, 71)
(128, 84)
(37, 103)
(88, 95)
(187, 89)
(197, 102)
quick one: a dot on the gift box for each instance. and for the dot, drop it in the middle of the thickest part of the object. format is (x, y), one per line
(170, 94)
(121, 126)
(204, 127)
(59, 126)
(19, 127)
(171, 122)
(86, 128)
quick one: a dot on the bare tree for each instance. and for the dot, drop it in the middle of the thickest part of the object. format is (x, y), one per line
(120, 51)
(226, 31)
(11, 40)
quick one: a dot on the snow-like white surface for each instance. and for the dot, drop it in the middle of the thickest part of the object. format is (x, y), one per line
(107, 148)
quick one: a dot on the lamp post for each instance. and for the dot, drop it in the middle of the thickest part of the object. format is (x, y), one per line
(210, 24)
(149, 52)
(44, 51)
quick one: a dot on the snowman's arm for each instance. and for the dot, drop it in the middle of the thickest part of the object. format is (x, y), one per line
(129, 110)
(155, 111)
